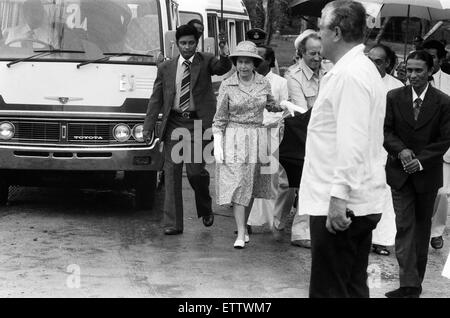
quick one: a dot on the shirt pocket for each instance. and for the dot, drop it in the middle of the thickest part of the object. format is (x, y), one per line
(310, 95)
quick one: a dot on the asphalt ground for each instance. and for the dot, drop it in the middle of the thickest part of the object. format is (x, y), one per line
(57, 242)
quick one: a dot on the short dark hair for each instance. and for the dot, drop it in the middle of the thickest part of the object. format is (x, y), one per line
(195, 21)
(423, 56)
(349, 16)
(390, 55)
(269, 55)
(437, 45)
(186, 29)
(256, 61)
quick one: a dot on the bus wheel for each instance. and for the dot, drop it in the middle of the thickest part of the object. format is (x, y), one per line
(145, 188)
(4, 192)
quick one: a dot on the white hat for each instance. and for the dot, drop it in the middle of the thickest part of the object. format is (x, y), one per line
(302, 36)
(246, 48)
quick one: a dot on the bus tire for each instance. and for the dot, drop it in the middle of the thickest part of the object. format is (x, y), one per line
(4, 192)
(145, 188)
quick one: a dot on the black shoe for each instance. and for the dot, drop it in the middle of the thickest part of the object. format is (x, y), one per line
(172, 231)
(208, 220)
(437, 242)
(405, 292)
(380, 250)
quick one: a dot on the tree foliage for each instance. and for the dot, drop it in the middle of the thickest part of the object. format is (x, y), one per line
(269, 15)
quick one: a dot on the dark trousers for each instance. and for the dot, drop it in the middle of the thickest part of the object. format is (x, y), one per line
(413, 213)
(191, 150)
(339, 261)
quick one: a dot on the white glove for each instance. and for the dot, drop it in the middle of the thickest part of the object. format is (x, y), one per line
(292, 108)
(218, 150)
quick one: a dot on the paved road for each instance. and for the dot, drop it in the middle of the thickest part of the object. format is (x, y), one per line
(49, 236)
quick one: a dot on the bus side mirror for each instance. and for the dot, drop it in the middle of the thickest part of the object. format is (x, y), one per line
(170, 47)
(210, 45)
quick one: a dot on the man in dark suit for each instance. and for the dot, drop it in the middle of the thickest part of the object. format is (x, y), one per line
(417, 135)
(183, 93)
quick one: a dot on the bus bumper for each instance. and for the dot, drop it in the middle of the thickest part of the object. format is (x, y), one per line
(144, 158)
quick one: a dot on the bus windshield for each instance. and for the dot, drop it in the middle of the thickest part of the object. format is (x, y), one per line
(90, 27)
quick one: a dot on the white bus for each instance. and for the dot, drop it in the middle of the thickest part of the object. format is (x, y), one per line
(235, 24)
(75, 80)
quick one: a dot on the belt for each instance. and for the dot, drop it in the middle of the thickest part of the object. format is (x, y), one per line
(186, 115)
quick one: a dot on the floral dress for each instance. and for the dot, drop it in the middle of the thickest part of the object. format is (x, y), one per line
(239, 119)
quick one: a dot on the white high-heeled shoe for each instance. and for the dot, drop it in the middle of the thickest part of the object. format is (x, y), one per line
(246, 238)
(239, 244)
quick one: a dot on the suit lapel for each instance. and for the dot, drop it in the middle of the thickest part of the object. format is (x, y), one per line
(171, 79)
(406, 107)
(428, 109)
(195, 69)
(172, 73)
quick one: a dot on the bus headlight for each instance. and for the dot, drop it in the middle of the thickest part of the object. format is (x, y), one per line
(7, 130)
(122, 132)
(138, 132)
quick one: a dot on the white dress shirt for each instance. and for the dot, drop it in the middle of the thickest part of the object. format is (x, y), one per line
(344, 149)
(179, 77)
(390, 83)
(422, 96)
(441, 81)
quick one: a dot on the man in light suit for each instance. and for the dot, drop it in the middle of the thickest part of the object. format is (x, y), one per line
(183, 93)
(417, 135)
(303, 80)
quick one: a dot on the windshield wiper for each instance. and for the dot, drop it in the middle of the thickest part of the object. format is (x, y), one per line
(41, 53)
(110, 55)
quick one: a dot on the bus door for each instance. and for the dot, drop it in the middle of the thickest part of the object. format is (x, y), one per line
(212, 27)
(240, 33)
(186, 16)
(232, 41)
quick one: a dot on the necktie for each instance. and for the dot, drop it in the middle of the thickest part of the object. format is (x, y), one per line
(416, 106)
(185, 94)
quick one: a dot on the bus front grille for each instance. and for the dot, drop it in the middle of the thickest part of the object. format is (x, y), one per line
(37, 131)
(67, 132)
(90, 132)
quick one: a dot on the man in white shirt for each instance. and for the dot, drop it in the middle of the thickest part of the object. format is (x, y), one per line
(441, 81)
(343, 182)
(384, 235)
(265, 211)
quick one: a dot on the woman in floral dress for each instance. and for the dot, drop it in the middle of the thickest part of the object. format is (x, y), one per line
(240, 139)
